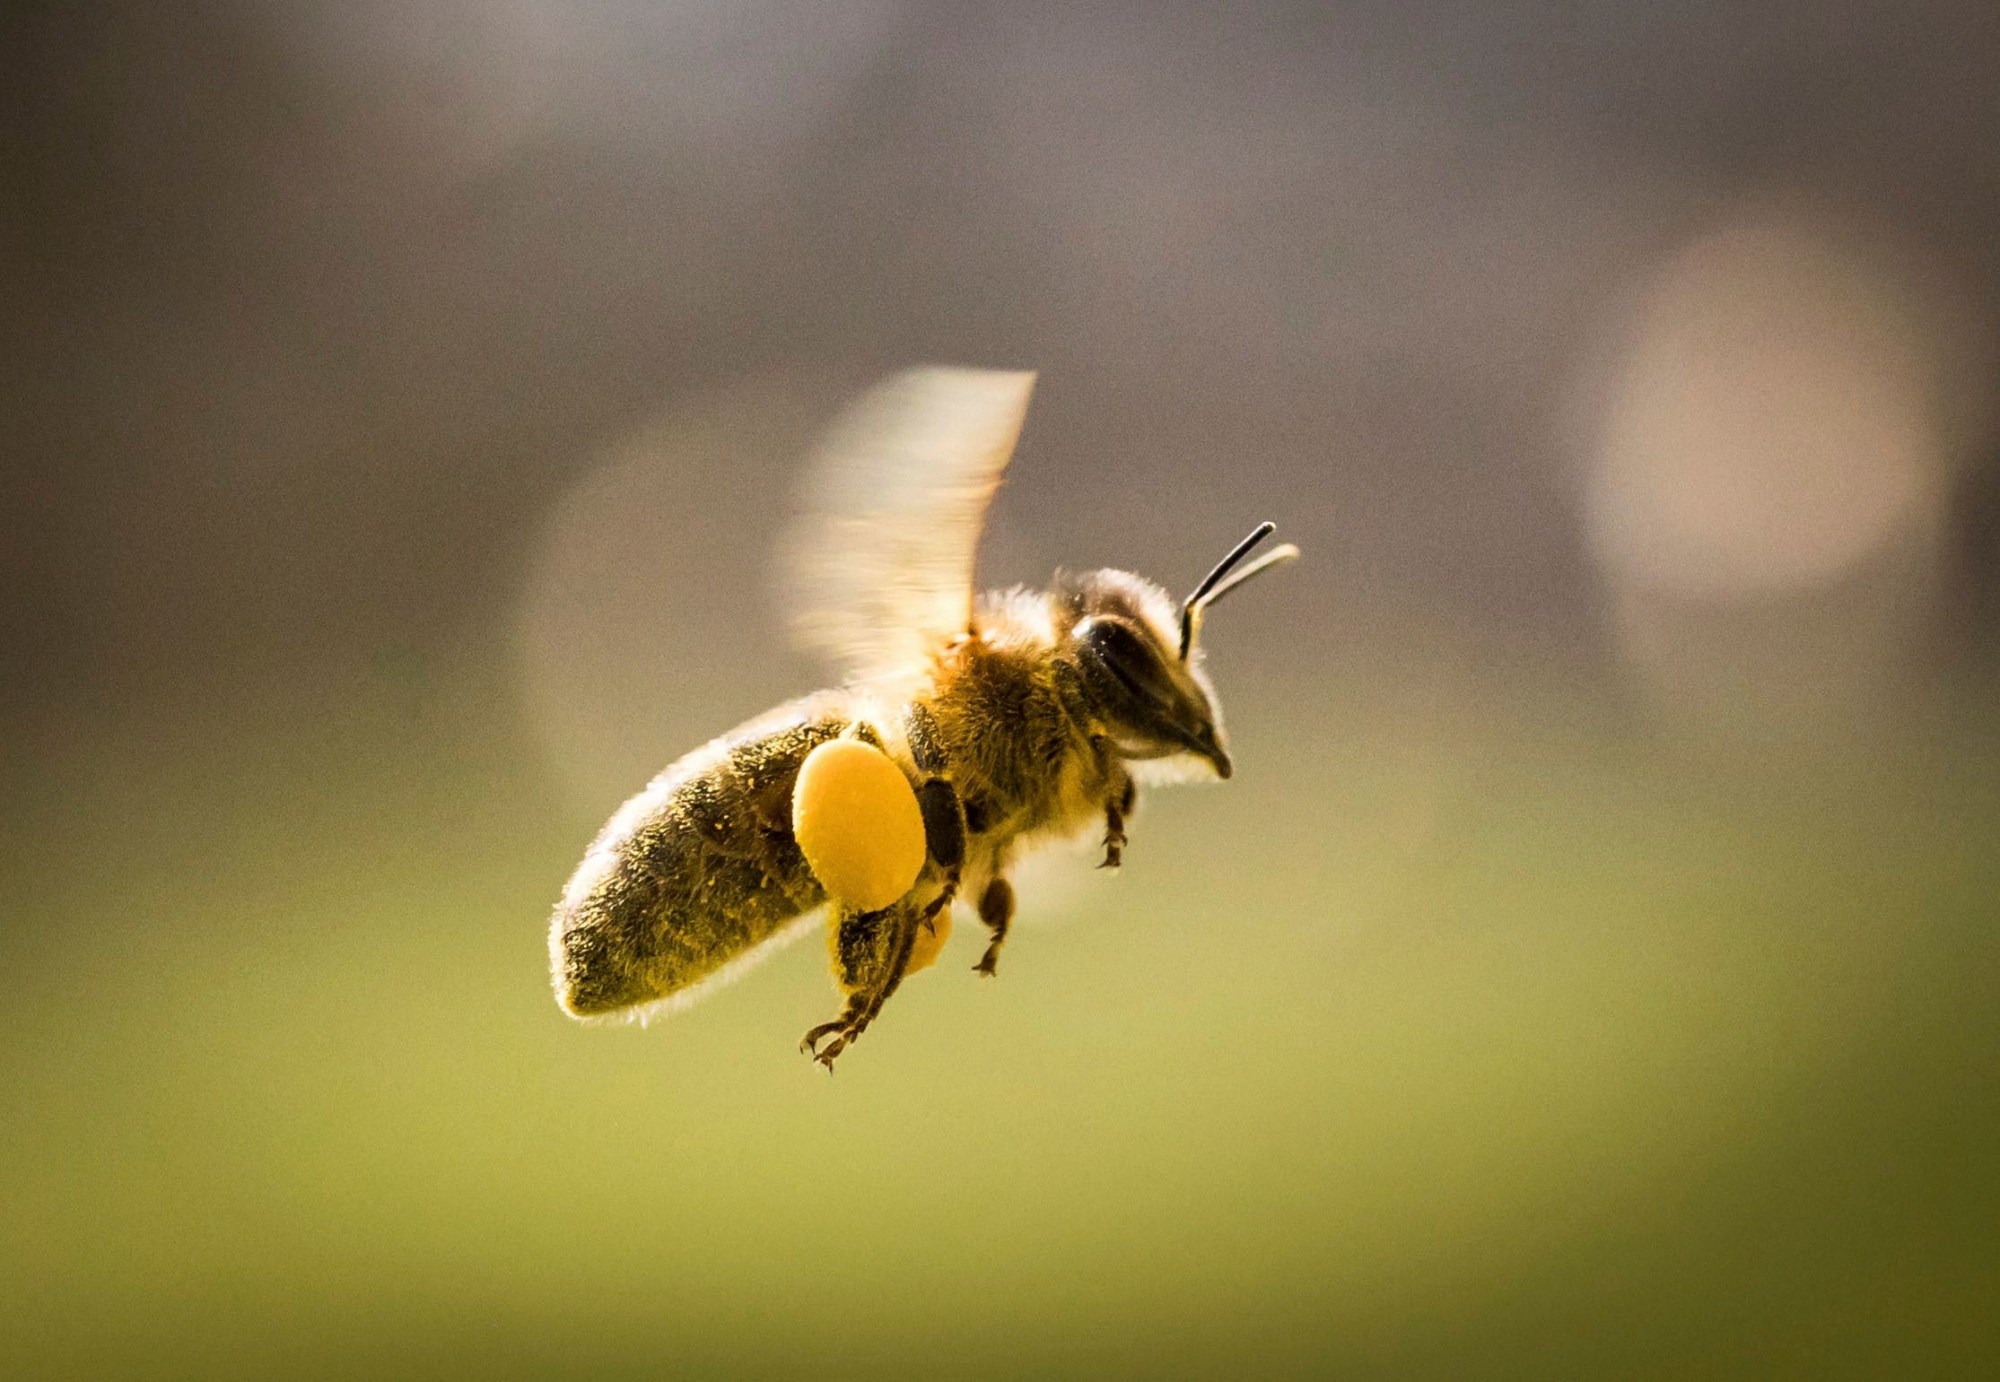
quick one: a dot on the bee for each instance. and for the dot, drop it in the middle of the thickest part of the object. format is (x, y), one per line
(965, 732)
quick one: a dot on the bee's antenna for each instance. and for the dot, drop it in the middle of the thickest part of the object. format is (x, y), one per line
(1213, 587)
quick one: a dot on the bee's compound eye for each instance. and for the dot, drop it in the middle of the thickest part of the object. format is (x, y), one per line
(1118, 648)
(857, 822)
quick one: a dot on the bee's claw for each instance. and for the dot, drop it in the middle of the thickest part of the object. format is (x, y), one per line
(810, 1044)
(937, 904)
(989, 963)
(844, 1031)
(1114, 848)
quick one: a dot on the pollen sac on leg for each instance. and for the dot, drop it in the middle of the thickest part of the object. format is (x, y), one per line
(856, 819)
(930, 942)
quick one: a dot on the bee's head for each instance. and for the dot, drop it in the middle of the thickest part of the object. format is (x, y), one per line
(1138, 658)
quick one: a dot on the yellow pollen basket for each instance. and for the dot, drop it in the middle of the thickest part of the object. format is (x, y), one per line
(857, 822)
(929, 943)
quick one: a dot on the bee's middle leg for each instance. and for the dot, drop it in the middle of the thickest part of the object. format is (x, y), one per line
(871, 951)
(944, 839)
(937, 801)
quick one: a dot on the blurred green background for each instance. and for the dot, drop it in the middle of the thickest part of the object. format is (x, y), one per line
(1589, 972)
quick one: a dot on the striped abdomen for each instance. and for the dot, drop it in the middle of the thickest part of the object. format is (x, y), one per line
(694, 874)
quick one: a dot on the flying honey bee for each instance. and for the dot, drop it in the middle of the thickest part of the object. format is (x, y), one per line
(966, 731)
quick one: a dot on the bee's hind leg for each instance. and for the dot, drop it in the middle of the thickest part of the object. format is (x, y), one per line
(871, 950)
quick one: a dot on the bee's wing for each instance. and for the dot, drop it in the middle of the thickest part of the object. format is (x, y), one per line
(879, 570)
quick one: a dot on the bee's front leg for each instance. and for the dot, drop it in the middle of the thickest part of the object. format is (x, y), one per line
(996, 909)
(1117, 808)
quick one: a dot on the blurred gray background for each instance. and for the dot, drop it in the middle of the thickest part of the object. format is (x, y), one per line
(1590, 970)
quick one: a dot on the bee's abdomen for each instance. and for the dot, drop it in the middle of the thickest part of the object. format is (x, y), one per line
(696, 872)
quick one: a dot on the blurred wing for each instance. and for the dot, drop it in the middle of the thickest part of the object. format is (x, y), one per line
(880, 569)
